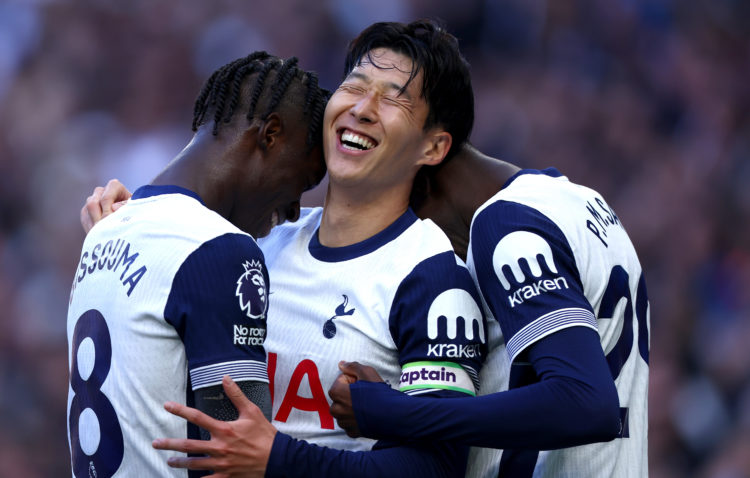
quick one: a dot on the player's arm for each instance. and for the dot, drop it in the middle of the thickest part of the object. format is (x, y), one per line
(217, 305)
(567, 396)
(251, 447)
(437, 288)
(575, 402)
(102, 202)
(296, 458)
(293, 458)
(240, 447)
(214, 402)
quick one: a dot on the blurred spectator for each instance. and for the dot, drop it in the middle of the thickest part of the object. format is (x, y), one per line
(648, 101)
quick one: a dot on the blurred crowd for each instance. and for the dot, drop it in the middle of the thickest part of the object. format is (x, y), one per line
(647, 101)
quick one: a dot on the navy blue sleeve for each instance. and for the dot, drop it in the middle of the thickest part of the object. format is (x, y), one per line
(438, 326)
(218, 304)
(527, 273)
(291, 458)
(573, 402)
(437, 323)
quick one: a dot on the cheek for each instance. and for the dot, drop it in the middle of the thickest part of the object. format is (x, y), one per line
(328, 145)
(330, 112)
(329, 134)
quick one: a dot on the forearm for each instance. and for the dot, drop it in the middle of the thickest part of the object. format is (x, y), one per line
(528, 417)
(575, 403)
(291, 458)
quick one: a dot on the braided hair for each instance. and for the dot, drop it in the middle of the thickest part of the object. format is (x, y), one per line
(271, 78)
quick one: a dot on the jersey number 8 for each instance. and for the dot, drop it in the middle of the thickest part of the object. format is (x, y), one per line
(96, 441)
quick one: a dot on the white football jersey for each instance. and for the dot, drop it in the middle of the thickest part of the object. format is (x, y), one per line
(168, 298)
(549, 254)
(399, 301)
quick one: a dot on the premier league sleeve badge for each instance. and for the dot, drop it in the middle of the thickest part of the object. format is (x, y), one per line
(252, 291)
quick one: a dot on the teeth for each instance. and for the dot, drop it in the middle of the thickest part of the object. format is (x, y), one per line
(355, 141)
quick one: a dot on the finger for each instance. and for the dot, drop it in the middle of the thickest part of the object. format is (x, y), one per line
(118, 205)
(348, 424)
(353, 369)
(112, 193)
(361, 372)
(345, 366)
(192, 415)
(340, 411)
(339, 391)
(86, 221)
(345, 378)
(349, 370)
(237, 396)
(191, 462)
(184, 445)
(92, 211)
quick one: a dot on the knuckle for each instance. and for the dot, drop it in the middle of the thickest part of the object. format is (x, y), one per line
(223, 428)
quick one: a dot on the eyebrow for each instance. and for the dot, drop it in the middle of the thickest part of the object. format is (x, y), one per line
(390, 85)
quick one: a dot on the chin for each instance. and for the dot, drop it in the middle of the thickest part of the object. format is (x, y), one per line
(261, 232)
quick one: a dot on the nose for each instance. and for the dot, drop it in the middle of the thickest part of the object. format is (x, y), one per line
(292, 212)
(365, 109)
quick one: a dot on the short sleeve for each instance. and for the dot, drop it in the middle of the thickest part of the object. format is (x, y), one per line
(527, 273)
(218, 305)
(439, 328)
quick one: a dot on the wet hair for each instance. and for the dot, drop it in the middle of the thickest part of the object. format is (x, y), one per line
(446, 83)
(261, 83)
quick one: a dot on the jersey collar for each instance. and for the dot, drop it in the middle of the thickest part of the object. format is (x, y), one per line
(151, 190)
(551, 172)
(338, 254)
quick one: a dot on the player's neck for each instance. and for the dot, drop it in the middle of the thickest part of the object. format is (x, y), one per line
(351, 216)
(471, 179)
(192, 169)
(458, 189)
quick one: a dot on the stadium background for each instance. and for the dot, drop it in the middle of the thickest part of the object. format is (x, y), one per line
(646, 101)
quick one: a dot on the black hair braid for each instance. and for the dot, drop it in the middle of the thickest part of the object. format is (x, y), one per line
(199, 111)
(244, 67)
(312, 90)
(222, 92)
(317, 111)
(260, 83)
(283, 78)
(210, 91)
(234, 94)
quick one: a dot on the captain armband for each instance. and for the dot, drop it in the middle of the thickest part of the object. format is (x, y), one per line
(435, 375)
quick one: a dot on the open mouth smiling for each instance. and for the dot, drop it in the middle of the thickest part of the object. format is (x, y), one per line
(356, 141)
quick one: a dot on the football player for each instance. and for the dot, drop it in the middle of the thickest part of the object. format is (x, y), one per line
(171, 292)
(568, 321)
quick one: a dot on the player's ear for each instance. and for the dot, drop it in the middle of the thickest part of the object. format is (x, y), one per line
(436, 148)
(270, 132)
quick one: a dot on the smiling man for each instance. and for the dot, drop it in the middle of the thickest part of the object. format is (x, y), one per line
(388, 282)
